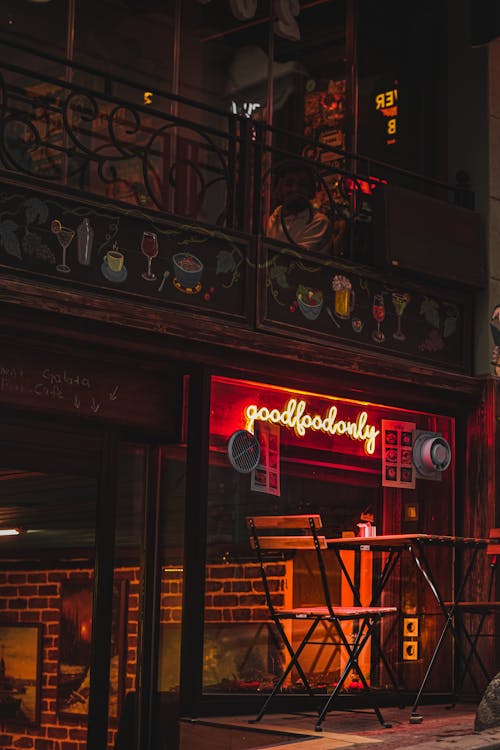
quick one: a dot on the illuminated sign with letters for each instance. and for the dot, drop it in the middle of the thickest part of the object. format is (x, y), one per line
(386, 102)
(295, 417)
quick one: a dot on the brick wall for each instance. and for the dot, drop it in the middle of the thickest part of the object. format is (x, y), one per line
(34, 597)
(234, 594)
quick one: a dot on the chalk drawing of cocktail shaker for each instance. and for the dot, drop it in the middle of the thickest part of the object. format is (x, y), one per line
(85, 239)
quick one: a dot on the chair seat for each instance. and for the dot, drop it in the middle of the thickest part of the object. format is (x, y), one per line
(339, 612)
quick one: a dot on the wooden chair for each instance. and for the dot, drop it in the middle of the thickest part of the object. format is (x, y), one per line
(287, 534)
(483, 609)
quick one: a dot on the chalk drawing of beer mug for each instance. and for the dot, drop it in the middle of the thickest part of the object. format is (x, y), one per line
(344, 298)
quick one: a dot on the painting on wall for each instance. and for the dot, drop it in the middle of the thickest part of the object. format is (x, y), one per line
(75, 647)
(20, 665)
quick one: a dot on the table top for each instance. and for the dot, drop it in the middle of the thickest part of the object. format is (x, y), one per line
(394, 541)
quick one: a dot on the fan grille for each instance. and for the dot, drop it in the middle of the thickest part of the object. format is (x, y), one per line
(243, 451)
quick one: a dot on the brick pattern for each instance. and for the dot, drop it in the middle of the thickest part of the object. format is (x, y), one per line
(34, 597)
(234, 593)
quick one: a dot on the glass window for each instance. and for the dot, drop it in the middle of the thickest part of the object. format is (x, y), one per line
(131, 41)
(402, 100)
(161, 632)
(49, 490)
(40, 25)
(325, 457)
(311, 71)
(127, 587)
(224, 58)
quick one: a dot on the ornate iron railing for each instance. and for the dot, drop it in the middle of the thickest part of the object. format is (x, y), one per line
(173, 155)
(161, 151)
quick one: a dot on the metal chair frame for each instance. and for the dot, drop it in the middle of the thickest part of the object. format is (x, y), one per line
(484, 608)
(367, 618)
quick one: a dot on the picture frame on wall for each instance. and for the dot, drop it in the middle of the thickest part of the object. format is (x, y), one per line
(20, 673)
(75, 643)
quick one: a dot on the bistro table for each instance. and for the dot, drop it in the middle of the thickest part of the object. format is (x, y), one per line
(416, 544)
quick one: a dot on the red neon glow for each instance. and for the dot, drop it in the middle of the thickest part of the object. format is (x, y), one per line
(230, 400)
(367, 187)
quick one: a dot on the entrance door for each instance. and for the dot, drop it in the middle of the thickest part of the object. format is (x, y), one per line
(148, 582)
(52, 503)
(91, 540)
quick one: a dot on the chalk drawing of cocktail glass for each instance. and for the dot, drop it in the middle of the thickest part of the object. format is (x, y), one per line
(378, 312)
(64, 237)
(343, 297)
(400, 301)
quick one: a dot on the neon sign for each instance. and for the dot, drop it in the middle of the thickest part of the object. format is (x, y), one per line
(387, 103)
(296, 418)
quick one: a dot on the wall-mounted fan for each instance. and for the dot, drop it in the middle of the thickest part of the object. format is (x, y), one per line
(431, 454)
(243, 451)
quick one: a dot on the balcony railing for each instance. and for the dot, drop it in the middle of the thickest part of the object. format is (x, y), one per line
(92, 168)
(68, 123)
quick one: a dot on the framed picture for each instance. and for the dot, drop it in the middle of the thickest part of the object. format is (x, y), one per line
(20, 672)
(75, 647)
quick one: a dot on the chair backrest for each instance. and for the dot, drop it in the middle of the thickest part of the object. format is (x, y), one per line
(308, 525)
(263, 537)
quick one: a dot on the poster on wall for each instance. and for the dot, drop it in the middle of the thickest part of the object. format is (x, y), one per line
(266, 475)
(76, 643)
(20, 679)
(397, 454)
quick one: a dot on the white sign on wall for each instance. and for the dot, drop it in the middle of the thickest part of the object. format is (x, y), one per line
(266, 475)
(397, 454)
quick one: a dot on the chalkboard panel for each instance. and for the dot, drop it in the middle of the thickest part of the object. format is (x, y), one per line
(78, 388)
(322, 300)
(126, 252)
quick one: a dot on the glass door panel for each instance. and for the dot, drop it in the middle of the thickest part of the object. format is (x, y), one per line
(128, 573)
(49, 489)
(147, 596)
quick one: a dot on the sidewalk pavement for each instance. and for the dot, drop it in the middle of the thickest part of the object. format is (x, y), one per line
(442, 728)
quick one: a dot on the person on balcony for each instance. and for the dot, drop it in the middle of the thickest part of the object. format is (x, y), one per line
(295, 220)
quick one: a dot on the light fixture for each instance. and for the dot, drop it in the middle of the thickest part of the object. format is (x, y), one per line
(10, 532)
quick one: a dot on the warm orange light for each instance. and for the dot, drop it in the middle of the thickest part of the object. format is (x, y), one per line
(230, 399)
(386, 102)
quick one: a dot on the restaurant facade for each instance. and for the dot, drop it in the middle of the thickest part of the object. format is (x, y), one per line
(150, 326)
